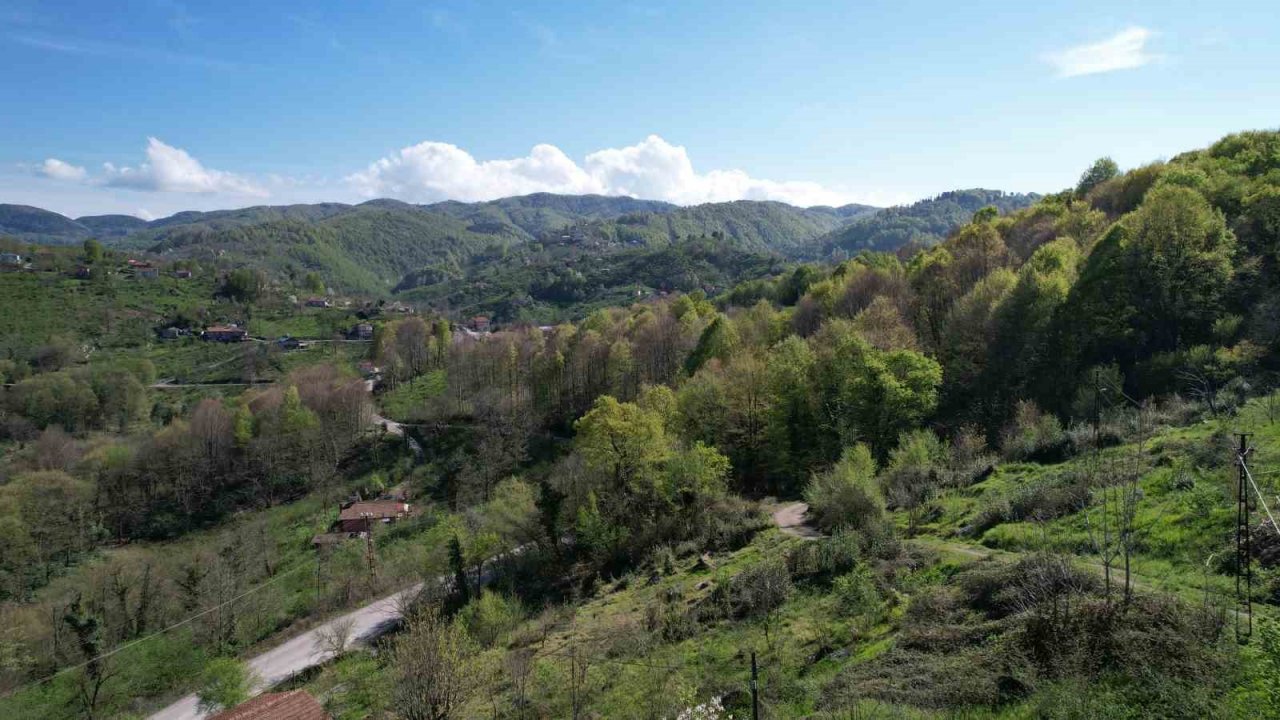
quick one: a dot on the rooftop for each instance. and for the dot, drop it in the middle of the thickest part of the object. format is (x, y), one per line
(292, 705)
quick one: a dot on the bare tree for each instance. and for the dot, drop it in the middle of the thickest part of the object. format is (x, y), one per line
(335, 638)
(437, 668)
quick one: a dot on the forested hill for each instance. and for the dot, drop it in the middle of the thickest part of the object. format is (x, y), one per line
(382, 246)
(924, 223)
(758, 226)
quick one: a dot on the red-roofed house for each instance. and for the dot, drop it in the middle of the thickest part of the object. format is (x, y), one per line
(362, 516)
(225, 333)
(292, 705)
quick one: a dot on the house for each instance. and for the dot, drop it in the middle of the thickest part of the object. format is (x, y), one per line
(368, 369)
(291, 343)
(225, 333)
(149, 272)
(182, 274)
(364, 515)
(318, 302)
(479, 323)
(10, 259)
(291, 705)
(397, 307)
(170, 333)
(138, 264)
(84, 272)
(363, 331)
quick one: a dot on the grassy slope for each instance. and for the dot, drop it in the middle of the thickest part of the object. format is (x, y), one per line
(636, 674)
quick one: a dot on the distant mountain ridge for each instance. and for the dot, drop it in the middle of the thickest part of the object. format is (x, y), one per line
(385, 246)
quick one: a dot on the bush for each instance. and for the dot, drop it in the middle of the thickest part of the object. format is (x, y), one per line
(856, 592)
(1033, 435)
(825, 558)
(758, 590)
(847, 495)
(490, 617)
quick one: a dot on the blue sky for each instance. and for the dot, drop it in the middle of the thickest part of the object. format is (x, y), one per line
(152, 106)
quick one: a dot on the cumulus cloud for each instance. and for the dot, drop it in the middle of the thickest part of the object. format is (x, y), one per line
(652, 169)
(171, 169)
(1125, 50)
(59, 170)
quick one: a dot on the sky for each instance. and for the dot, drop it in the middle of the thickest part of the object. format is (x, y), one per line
(148, 107)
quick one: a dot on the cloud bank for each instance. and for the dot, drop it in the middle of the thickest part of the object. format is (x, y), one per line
(1123, 51)
(431, 171)
(167, 169)
(58, 170)
(652, 169)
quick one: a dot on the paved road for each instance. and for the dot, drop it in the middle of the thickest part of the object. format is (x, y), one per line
(304, 651)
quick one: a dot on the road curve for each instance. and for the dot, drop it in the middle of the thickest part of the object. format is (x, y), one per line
(792, 519)
(304, 651)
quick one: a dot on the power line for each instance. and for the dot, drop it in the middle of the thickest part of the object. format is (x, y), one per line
(158, 633)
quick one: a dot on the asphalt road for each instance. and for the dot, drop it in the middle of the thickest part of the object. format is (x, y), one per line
(304, 651)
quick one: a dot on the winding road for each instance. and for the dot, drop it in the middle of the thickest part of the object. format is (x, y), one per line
(304, 651)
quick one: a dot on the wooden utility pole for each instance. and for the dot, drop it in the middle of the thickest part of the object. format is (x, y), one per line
(755, 689)
(1244, 545)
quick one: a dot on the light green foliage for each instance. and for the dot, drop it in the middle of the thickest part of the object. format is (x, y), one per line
(869, 394)
(623, 440)
(224, 683)
(490, 617)
(847, 495)
(693, 476)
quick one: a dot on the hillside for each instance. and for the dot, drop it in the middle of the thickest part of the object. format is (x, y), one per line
(33, 224)
(922, 223)
(1016, 448)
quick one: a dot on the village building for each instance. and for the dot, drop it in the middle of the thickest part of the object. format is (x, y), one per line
(149, 273)
(182, 274)
(479, 323)
(170, 333)
(291, 705)
(10, 260)
(318, 302)
(362, 331)
(84, 272)
(364, 515)
(225, 333)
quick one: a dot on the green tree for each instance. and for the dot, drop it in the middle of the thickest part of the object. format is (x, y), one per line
(92, 251)
(224, 683)
(1102, 170)
(718, 341)
(313, 283)
(623, 440)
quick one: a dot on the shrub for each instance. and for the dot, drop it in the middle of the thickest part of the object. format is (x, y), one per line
(490, 617)
(824, 558)
(847, 495)
(856, 592)
(1032, 435)
(758, 590)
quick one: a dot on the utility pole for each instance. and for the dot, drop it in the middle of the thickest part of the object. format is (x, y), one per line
(755, 689)
(1244, 545)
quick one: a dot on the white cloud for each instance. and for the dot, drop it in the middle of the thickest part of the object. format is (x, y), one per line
(59, 170)
(171, 169)
(1125, 50)
(652, 169)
